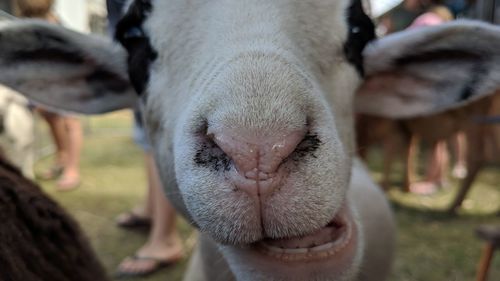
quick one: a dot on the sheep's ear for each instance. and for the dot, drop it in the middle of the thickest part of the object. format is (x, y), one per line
(430, 70)
(63, 69)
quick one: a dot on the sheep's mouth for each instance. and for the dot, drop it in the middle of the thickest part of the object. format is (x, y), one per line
(324, 243)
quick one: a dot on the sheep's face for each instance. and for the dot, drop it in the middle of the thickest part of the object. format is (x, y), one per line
(249, 107)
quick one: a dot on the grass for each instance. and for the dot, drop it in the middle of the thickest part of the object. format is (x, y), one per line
(431, 245)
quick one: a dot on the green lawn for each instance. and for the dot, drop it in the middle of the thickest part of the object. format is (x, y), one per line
(431, 246)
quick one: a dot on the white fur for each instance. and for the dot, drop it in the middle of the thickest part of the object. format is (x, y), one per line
(268, 67)
(17, 140)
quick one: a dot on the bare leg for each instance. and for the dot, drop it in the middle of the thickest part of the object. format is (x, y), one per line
(57, 130)
(436, 170)
(439, 162)
(70, 178)
(460, 149)
(164, 233)
(411, 144)
(389, 149)
(141, 214)
(164, 244)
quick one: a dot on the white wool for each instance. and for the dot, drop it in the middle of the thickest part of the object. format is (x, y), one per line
(290, 54)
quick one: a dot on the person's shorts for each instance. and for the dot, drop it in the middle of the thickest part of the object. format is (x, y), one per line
(139, 134)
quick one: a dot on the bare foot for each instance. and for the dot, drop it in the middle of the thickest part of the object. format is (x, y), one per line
(459, 171)
(68, 181)
(424, 187)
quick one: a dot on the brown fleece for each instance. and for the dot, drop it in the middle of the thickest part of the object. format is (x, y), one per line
(39, 241)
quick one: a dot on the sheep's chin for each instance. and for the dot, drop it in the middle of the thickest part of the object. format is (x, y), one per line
(330, 253)
(329, 241)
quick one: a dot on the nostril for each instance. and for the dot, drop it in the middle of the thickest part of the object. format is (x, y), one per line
(209, 154)
(307, 147)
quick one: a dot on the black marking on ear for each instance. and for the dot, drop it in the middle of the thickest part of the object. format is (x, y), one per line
(478, 72)
(361, 32)
(48, 54)
(435, 56)
(130, 34)
(41, 45)
(103, 81)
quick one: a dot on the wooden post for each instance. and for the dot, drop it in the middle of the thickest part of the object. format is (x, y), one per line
(484, 264)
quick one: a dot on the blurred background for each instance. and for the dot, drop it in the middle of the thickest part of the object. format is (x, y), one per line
(436, 240)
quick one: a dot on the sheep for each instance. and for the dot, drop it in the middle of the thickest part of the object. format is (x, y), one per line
(17, 130)
(39, 241)
(250, 109)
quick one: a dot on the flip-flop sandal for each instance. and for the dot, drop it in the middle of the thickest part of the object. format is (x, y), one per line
(133, 220)
(52, 173)
(159, 264)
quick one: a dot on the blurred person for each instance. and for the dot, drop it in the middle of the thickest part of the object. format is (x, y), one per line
(414, 14)
(458, 7)
(439, 160)
(403, 15)
(432, 12)
(65, 129)
(164, 245)
(435, 15)
(459, 146)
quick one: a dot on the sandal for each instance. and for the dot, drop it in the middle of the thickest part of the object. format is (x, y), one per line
(52, 173)
(157, 264)
(132, 220)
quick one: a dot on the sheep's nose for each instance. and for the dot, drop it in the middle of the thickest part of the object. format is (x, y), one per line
(257, 159)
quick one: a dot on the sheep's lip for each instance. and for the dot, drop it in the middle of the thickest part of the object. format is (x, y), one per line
(324, 243)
